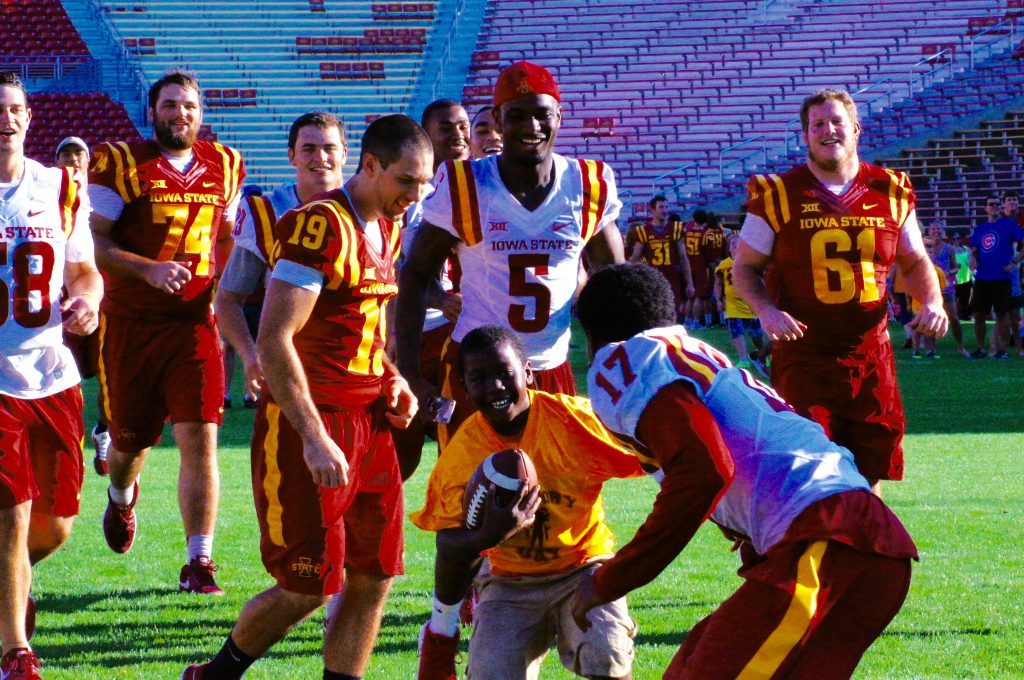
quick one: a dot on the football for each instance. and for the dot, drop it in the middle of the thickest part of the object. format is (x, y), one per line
(508, 470)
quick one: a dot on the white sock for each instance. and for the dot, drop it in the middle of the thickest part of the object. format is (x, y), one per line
(332, 607)
(122, 496)
(444, 618)
(199, 545)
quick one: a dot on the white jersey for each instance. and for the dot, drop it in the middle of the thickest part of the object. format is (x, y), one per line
(413, 219)
(255, 219)
(519, 266)
(783, 462)
(38, 235)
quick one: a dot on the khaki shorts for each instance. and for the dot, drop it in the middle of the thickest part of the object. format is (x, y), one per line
(517, 619)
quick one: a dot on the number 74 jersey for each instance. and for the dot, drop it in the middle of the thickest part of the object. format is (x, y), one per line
(519, 266)
(168, 215)
(832, 254)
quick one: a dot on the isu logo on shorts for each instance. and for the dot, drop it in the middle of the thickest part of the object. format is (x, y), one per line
(305, 568)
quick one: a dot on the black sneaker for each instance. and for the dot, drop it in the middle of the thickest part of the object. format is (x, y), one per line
(979, 354)
(1001, 355)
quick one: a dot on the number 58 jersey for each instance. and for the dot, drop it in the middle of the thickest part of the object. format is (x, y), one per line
(519, 266)
(39, 232)
(832, 253)
(167, 215)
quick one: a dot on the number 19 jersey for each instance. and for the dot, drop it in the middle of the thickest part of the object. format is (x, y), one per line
(832, 253)
(168, 215)
(519, 266)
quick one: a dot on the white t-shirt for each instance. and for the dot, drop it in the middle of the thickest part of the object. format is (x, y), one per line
(521, 271)
(34, 248)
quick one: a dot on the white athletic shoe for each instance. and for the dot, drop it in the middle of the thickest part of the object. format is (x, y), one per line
(101, 444)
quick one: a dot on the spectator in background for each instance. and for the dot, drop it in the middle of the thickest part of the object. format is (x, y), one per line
(713, 249)
(702, 282)
(944, 258)
(994, 243)
(484, 138)
(964, 275)
(739, 317)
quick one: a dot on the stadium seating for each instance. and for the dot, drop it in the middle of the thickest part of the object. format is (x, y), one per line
(38, 41)
(721, 98)
(93, 117)
(265, 62)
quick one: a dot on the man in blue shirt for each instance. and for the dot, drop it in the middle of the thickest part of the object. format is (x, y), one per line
(995, 243)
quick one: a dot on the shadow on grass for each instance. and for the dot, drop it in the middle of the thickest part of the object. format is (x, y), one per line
(70, 603)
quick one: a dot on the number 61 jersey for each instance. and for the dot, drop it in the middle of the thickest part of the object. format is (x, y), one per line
(38, 234)
(832, 253)
(168, 215)
(519, 266)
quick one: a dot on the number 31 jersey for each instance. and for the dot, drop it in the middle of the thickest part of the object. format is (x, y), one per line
(519, 266)
(168, 215)
(832, 253)
(39, 232)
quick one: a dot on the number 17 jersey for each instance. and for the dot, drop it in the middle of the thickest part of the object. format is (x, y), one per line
(519, 266)
(832, 253)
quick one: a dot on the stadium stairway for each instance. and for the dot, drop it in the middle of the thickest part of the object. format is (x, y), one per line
(448, 58)
(652, 99)
(263, 63)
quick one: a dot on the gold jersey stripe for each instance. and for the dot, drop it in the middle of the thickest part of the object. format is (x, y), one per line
(265, 226)
(899, 203)
(796, 620)
(119, 170)
(272, 477)
(68, 202)
(101, 370)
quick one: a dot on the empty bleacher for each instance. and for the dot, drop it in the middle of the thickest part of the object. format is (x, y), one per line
(38, 41)
(92, 116)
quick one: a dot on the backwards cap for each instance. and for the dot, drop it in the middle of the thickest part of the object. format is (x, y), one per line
(523, 78)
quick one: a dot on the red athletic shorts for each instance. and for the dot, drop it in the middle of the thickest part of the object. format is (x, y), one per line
(703, 283)
(154, 370)
(86, 350)
(41, 452)
(810, 607)
(855, 398)
(309, 534)
(557, 380)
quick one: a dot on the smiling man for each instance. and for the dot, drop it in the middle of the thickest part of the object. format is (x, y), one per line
(520, 223)
(833, 227)
(163, 211)
(317, 150)
(484, 138)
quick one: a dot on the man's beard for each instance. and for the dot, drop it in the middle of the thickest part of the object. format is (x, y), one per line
(168, 138)
(825, 164)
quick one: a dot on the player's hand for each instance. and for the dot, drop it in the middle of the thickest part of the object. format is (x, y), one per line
(254, 378)
(424, 392)
(451, 306)
(170, 276)
(400, 403)
(585, 599)
(778, 325)
(930, 320)
(502, 522)
(326, 462)
(80, 315)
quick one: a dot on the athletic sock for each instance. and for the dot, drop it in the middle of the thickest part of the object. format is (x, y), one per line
(331, 675)
(230, 662)
(199, 545)
(122, 496)
(444, 618)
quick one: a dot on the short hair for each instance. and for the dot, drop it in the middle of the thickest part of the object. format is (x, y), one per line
(321, 119)
(622, 300)
(435, 106)
(1009, 194)
(388, 136)
(10, 79)
(700, 216)
(489, 338)
(173, 78)
(822, 96)
(657, 198)
(482, 111)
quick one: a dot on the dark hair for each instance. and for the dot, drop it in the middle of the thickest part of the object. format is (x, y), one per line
(173, 78)
(9, 79)
(489, 338)
(1009, 194)
(435, 106)
(486, 109)
(622, 300)
(657, 198)
(321, 119)
(700, 216)
(388, 136)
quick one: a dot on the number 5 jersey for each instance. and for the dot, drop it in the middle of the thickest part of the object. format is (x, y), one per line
(38, 234)
(168, 214)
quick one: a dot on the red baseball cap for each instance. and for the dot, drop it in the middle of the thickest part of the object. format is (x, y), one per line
(523, 78)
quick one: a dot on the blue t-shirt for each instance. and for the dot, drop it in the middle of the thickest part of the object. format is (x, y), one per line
(994, 244)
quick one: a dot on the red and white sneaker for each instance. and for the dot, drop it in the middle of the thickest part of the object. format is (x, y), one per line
(20, 664)
(468, 606)
(437, 655)
(30, 617)
(119, 523)
(196, 671)
(197, 577)
(100, 445)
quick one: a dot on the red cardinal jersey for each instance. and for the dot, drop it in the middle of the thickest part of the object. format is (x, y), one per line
(660, 246)
(832, 254)
(341, 346)
(168, 215)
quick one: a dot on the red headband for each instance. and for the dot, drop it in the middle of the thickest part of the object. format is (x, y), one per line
(523, 78)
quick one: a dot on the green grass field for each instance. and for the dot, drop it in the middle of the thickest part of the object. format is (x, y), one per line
(105, 615)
